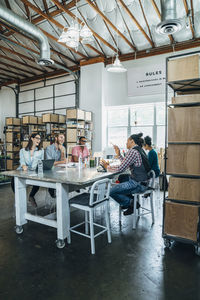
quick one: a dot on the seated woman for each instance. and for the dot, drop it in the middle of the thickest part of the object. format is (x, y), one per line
(29, 158)
(152, 156)
(136, 160)
(80, 150)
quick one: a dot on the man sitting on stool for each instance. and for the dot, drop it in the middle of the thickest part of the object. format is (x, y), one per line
(57, 152)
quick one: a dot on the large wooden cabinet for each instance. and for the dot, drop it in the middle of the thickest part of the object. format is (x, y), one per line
(182, 204)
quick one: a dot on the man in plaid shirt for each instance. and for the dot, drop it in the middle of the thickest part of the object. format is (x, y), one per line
(136, 160)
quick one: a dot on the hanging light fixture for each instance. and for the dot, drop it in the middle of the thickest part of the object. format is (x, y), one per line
(75, 33)
(117, 66)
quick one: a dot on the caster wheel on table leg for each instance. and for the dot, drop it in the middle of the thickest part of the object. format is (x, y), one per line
(60, 244)
(19, 229)
(197, 250)
(167, 243)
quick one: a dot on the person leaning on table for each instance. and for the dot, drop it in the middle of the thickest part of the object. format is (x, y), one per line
(29, 158)
(136, 160)
(57, 152)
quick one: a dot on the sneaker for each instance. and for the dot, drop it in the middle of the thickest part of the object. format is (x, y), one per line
(32, 201)
(129, 211)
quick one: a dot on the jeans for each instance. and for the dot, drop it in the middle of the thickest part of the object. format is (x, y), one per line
(122, 192)
(33, 191)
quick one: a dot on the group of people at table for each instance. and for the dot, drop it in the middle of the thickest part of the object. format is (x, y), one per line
(136, 160)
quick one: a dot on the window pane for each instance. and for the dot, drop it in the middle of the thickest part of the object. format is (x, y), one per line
(145, 130)
(160, 114)
(160, 136)
(117, 136)
(118, 117)
(142, 114)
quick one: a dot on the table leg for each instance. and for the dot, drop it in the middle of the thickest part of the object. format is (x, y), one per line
(20, 202)
(63, 212)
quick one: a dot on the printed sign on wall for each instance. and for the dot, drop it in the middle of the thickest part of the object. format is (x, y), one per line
(146, 80)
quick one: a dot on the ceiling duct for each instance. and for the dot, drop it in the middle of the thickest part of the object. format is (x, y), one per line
(169, 22)
(26, 27)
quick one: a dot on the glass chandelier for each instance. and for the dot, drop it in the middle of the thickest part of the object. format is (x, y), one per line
(75, 33)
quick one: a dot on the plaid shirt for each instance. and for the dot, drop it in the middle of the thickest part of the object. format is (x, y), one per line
(133, 157)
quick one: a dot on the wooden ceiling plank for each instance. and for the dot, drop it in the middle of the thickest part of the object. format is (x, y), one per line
(45, 6)
(125, 24)
(93, 34)
(94, 49)
(17, 53)
(187, 12)
(55, 12)
(135, 21)
(7, 70)
(110, 23)
(43, 76)
(40, 12)
(81, 22)
(27, 11)
(145, 18)
(8, 4)
(20, 63)
(17, 68)
(159, 16)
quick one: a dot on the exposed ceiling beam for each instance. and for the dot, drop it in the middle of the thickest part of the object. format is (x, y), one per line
(187, 13)
(20, 63)
(57, 52)
(16, 68)
(50, 19)
(7, 4)
(45, 6)
(17, 53)
(38, 77)
(145, 18)
(55, 12)
(9, 76)
(27, 11)
(109, 23)
(40, 12)
(135, 21)
(159, 50)
(159, 16)
(17, 74)
(95, 50)
(81, 22)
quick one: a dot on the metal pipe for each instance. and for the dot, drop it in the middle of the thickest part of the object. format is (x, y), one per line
(168, 10)
(25, 26)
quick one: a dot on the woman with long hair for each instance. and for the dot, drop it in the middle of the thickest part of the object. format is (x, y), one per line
(152, 155)
(29, 157)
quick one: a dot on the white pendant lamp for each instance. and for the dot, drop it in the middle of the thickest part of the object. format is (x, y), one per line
(117, 66)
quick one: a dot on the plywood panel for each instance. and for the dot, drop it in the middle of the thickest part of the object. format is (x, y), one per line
(183, 159)
(193, 98)
(181, 220)
(183, 68)
(182, 124)
(184, 189)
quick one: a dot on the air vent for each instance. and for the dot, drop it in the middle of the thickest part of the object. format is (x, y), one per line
(45, 62)
(169, 22)
(169, 27)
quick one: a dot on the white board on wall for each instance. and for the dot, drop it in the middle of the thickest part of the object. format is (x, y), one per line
(146, 80)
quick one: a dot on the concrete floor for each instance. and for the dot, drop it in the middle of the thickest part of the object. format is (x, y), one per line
(135, 266)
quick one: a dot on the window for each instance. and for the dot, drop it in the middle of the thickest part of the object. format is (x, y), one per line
(146, 118)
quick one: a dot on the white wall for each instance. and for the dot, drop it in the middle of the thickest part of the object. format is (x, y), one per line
(100, 89)
(91, 96)
(7, 107)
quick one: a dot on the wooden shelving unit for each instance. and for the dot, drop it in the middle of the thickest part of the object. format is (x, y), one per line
(13, 137)
(79, 123)
(182, 205)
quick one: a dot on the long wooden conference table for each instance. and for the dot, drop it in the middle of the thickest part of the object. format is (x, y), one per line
(64, 180)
